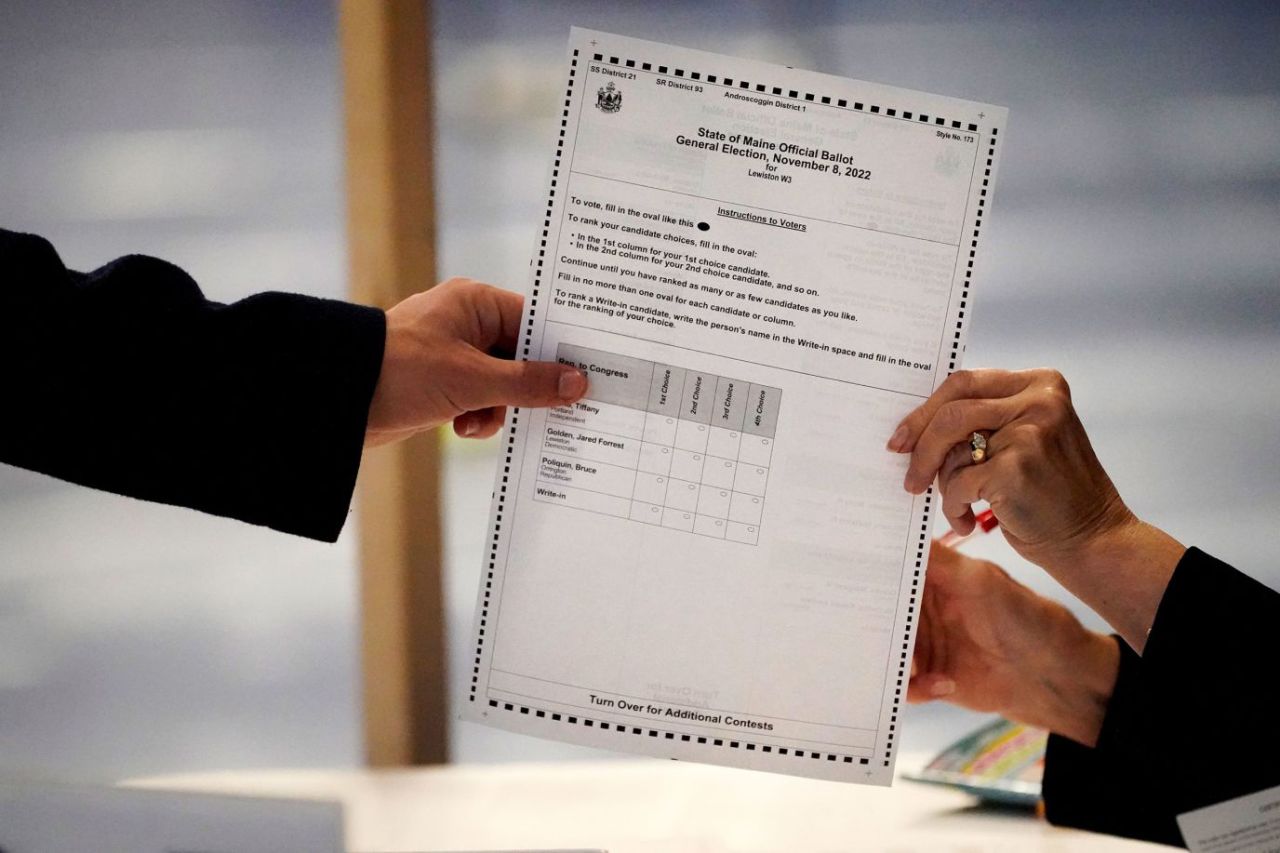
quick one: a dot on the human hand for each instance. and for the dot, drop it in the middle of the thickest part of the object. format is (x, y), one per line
(1056, 505)
(987, 643)
(448, 357)
(1041, 476)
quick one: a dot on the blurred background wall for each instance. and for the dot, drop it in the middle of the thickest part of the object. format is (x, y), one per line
(1135, 245)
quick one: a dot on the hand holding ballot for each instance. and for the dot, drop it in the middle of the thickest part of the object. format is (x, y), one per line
(448, 358)
(1123, 757)
(1040, 474)
(1056, 505)
(280, 393)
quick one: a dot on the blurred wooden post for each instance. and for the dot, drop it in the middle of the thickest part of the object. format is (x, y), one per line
(385, 48)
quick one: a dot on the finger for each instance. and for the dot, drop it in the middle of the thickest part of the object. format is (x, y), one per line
(480, 424)
(965, 487)
(960, 516)
(467, 424)
(498, 382)
(959, 513)
(953, 423)
(498, 313)
(497, 417)
(959, 456)
(961, 385)
(929, 686)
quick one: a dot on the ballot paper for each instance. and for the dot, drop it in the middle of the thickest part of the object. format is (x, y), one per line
(761, 270)
(1248, 824)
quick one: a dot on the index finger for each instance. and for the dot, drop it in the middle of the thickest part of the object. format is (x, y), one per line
(500, 311)
(961, 385)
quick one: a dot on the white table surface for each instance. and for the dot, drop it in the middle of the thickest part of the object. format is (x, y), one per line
(646, 806)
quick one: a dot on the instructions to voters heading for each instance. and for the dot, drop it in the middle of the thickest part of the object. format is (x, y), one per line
(761, 270)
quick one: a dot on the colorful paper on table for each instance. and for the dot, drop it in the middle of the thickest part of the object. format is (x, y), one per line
(1002, 762)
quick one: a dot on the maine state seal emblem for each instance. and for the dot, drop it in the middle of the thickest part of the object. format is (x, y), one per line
(609, 99)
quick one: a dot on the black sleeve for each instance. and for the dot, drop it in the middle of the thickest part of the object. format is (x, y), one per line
(1187, 725)
(127, 379)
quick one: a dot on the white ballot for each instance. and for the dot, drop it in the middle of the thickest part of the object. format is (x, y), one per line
(761, 270)
(1248, 824)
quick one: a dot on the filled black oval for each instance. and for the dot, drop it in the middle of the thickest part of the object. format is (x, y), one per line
(704, 226)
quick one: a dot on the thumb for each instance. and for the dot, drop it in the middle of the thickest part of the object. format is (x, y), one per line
(501, 382)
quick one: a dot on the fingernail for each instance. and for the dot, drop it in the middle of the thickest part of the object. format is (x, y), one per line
(470, 426)
(899, 439)
(573, 384)
(943, 687)
(908, 484)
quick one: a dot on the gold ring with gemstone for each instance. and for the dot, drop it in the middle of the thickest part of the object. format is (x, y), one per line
(978, 447)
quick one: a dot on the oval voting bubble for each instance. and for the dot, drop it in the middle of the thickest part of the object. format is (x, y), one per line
(701, 428)
(724, 494)
(719, 522)
(670, 421)
(659, 479)
(665, 449)
(696, 457)
(728, 464)
(653, 509)
(765, 441)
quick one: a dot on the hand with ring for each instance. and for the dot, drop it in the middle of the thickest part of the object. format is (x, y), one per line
(1013, 439)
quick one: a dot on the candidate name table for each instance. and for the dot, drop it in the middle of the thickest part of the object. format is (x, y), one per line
(662, 445)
